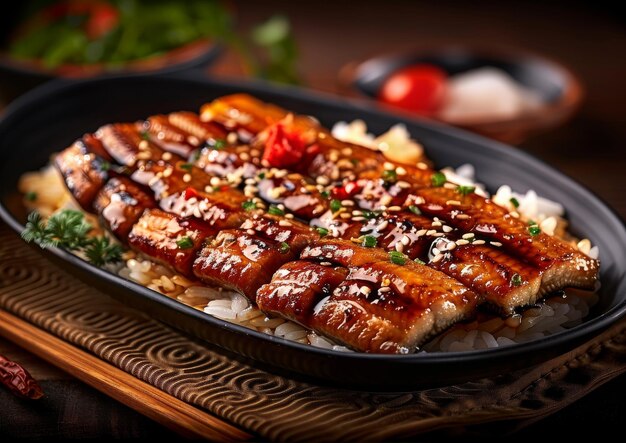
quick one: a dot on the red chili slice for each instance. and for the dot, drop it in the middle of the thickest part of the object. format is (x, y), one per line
(283, 148)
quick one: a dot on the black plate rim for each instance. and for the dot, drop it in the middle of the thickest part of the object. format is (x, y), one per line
(584, 330)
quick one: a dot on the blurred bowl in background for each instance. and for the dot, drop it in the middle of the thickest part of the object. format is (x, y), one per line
(557, 88)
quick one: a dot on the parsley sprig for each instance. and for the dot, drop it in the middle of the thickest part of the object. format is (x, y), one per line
(69, 230)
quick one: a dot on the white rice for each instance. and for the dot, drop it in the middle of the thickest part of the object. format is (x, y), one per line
(554, 315)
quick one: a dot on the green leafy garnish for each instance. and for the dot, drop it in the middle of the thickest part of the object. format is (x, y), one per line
(30, 196)
(516, 280)
(371, 214)
(369, 241)
(69, 230)
(419, 262)
(465, 190)
(325, 194)
(534, 230)
(217, 144)
(390, 175)
(275, 38)
(104, 165)
(438, 179)
(184, 243)
(186, 166)
(397, 258)
(283, 248)
(261, 176)
(415, 210)
(335, 205)
(323, 232)
(354, 161)
(248, 205)
(275, 210)
(514, 202)
(195, 156)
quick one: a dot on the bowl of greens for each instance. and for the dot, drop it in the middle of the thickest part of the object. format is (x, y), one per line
(43, 40)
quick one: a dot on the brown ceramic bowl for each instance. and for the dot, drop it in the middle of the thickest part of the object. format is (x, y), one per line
(560, 91)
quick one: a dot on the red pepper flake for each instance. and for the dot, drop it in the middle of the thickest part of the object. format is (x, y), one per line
(18, 380)
(346, 191)
(190, 193)
(283, 148)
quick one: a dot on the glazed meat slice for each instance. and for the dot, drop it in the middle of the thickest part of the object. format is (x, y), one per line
(205, 131)
(244, 259)
(169, 137)
(560, 264)
(120, 203)
(297, 194)
(84, 172)
(380, 307)
(225, 160)
(169, 239)
(127, 144)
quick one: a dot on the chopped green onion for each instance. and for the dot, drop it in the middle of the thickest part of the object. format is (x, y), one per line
(216, 144)
(184, 243)
(30, 196)
(369, 241)
(354, 161)
(370, 214)
(283, 248)
(186, 166)
(419, 262)
(145, 135)
(532, 223)
(105, 165)
(438, 179)
(261, 175)
(248, 205)
(465, 190)
(335, 205)
(514, 202)
(325, 194)
(275, 210)
(415, 210)
(516, 280)
(390, 175)
(323, 232)
(397, 258)
(534, 230)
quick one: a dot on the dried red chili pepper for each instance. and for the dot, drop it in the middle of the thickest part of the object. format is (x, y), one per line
(18, 380)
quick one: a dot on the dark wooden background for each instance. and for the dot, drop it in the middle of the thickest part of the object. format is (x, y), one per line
(590, 39)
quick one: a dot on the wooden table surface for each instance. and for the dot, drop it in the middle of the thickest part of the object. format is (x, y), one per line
(590, 148)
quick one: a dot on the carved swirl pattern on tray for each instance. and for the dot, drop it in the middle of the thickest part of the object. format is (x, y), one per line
(272, 406)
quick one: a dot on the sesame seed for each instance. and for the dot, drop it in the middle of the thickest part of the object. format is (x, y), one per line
(284, 223)
(382, 225)
(167, 172)
(437, 258)
(468, 235)
(280, 206)
(231, 138)
(215, 181)
(450, 246)
(431, 232)
(326, 263)
(436, 223)
(449, 186)
(384, 289)
(196, 212)
(143, 144)
(345, 215)
(462, 216)
(347, 203)
(405, 240)
(399, 247)
(346, 152)
(436, 251)
(495, 243)
(462, 242)
(394, 208)
(421, 232)
(388, 166)
(255, 153)
(400, 170)
(479, 242)
(359, 218)
(166, 156)
(333, 156)
(250, 231)
(515, 214)
(357, 212)
(453, 203)
(208, 189)
(289, 216)
(419, 200)
(322, 180)
(447, 228)
(385, 200)
(244, 156)
(403, 185)
(365, 290)
(422, 166)
(439, 234)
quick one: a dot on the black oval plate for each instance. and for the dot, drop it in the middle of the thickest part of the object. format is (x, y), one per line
(51, 117)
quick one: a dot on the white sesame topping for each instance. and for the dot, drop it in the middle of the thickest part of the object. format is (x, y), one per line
(446, 228)
(403, 185)
(421, 232)
(333, 156)
(250, 231)
(357, 212)
(143, 144)
(382, 225)
(468, 235)
(435, 251)
(462, 216)
(365, 290)
(399, 247)
(280, 206)
(453, 203)
(215, 181)
(388, 166)
(405, 240)
(479, 242)
(289, 216)
(208, 189)
(439, 234)
(449, 186)
(462, 242)
(346, 152)
(244, 156)
(422, 166)
(326, 263)
(436, 223)
(250, 181)
(437, 258)
(431, 232)
(322, 180)
(385, 200)
(384, 289)
(284, 223)
(400, 170)
(167, 172)
(345, 215)
(347, 203)
(231, 138)
(358, 218)
(450, 246)
(495, 243)
(166, 156)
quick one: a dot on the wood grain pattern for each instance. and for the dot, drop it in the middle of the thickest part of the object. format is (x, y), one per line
(175, 414)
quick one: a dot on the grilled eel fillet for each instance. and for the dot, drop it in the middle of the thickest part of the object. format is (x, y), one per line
(242, 250)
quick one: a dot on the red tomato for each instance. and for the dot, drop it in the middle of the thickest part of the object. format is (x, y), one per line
(283, 148)
(419, 88)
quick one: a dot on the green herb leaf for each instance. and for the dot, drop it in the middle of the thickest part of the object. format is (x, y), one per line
(397, 258)
(105, 166)
(390, 175)
(323, 232)
(216, 144)
(248, 205)
(465, 190)
(186, 166)
(30, 196)
(418, 261)
(275, 210)
(514, 202)
(283, 248)
(415, 210)
(438, 179)
(261, 176)
(369, 215)
(325, 194)
(369, 241)
(335, 205)
(516, 280)
(100, 251)
(145, 135)
(534, 230)
(185, 243)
